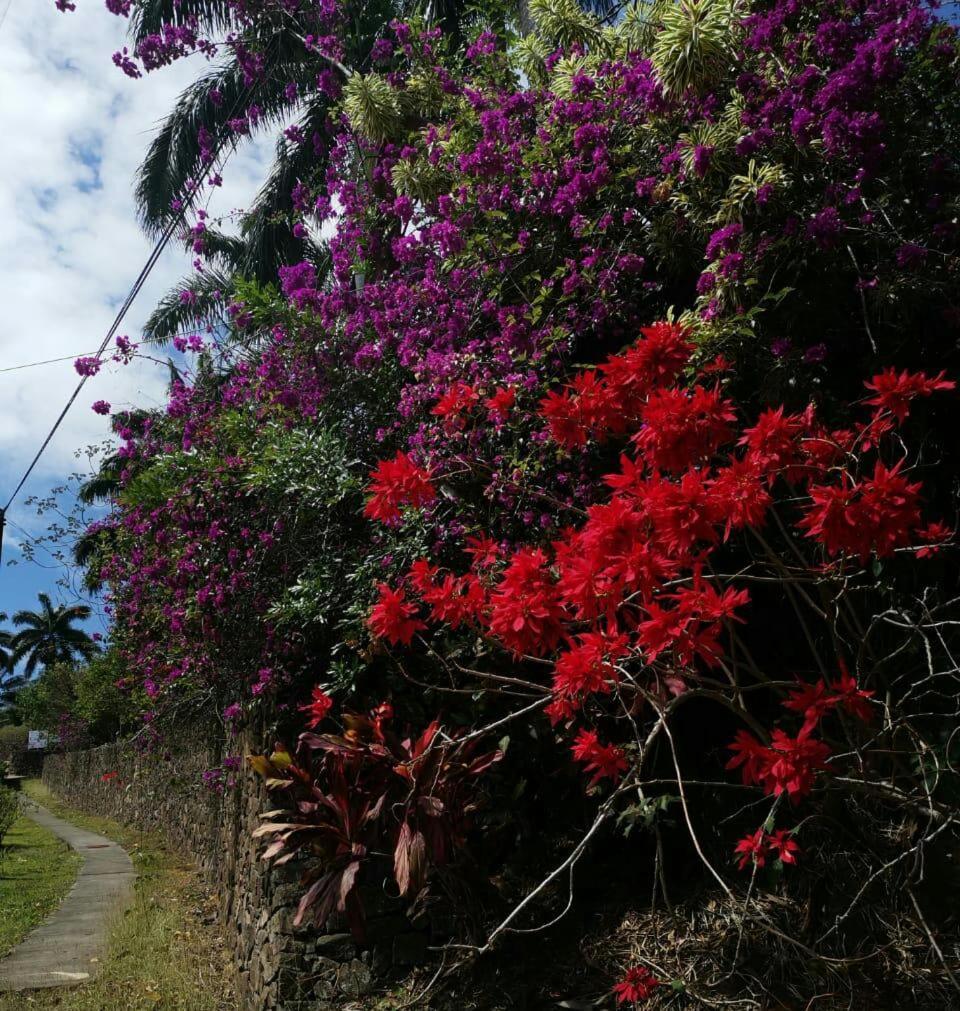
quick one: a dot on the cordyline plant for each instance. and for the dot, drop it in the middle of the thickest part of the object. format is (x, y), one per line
(701, 570)
(358, 796)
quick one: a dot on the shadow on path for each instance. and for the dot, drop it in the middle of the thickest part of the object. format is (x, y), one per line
(65, 949)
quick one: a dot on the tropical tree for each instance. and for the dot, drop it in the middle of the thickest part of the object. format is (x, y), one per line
(5, 639)
(9, 680)
(48, 635)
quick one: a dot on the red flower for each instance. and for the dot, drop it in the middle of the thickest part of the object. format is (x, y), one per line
(459, 398)
(107, 776)
(320, 704)
(603, 760)
(637, 985)
(658, 358)
(894, 392)
(526, 613)
(586, 409)
(683, 427)
(788, 766)
(456, 600)
(813, 701)
(755, 848)
(395, 483)
(774, 441)
(500, 404)
(852, 698)
(752, 848)
(586, 668)
(392, 617)
(935, 535)
(782, 846)
(484, 551)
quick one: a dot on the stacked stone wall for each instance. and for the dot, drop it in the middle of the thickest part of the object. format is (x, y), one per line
(278, 966)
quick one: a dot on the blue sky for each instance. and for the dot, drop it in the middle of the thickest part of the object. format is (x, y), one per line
(74, 129)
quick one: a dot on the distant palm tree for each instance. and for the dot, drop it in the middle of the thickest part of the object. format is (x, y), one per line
(5, 640)
(9, 680)
(47, 636)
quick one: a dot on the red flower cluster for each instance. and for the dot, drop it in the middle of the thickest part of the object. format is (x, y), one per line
(320, 704)
(392, 617)
(816, 700)
(629, 585)
(894, 391)
(638, 984)
(756, 847)
(857, 518)
(789, 765)
(396, 483)
(603, 760)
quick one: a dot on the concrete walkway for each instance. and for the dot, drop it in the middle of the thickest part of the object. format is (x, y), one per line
(66, 949)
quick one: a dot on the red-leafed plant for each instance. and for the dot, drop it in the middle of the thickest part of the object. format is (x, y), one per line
(365, 794)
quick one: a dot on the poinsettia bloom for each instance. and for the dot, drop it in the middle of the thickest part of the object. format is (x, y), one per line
(789, 765)
(586, 409)
(459, 398)
(454, 601)
(757, 846)
(894, 391)
(656, 359)
(813, 701)
(500, 404)
(773, 443)
(876, 515)
(396, 483)
(683, 427)
(585, 668)
(526, 613)
(935, 535)
(484, 551)
(782, 846)
(320, 704)
(752, 849)
(392, 617)
(605, 761)
(422, 574)
(853, 698)
(638, 984)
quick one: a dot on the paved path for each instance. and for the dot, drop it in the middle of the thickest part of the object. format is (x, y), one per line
(64, 949)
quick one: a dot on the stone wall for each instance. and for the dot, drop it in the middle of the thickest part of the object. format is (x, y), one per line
(278, 966)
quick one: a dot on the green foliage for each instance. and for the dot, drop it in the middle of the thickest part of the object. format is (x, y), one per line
(9, 810)
(695, 42)
(88, 693)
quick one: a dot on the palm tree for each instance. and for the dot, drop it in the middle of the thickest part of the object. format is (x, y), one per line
(175, 155)
(10, 681)
(5, 653)
(222, 94)
(47, 636)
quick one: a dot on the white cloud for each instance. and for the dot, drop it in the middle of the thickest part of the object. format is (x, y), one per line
(72, 132)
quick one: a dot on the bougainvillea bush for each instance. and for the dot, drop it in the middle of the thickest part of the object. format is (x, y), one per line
(589, 508)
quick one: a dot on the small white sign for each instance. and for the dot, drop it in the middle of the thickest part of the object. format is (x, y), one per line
(36, 740)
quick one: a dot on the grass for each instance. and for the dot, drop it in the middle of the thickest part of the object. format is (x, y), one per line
(164, 952)
(36, 871)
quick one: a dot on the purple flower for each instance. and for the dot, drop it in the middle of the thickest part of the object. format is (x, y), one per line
(815, 354)
(101, 407)
(825, 228)
(910, 255)
(780, 348)
(88, 366)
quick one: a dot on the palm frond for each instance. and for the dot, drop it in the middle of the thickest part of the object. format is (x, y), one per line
(205, 305)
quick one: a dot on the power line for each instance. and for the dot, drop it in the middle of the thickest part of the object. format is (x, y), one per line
(135, 289)
(47, 361)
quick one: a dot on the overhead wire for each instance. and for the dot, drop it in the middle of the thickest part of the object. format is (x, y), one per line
(173, 224)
